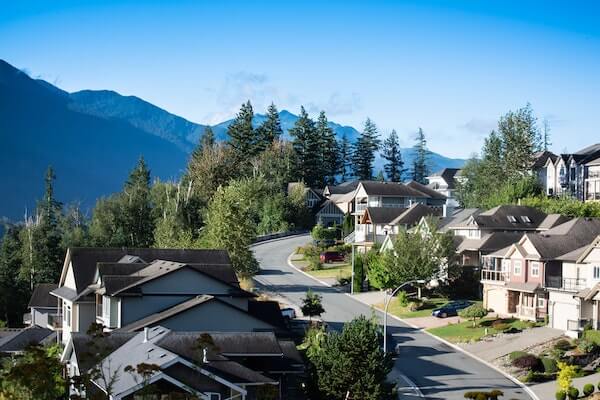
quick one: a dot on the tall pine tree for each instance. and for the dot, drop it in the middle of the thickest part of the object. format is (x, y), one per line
(329, 148)
(242, 137)
(345, 158)
(394, 166)
(420, 169)
(270, 130)
(137, 207)
(520, 141)
(365, 148)
(307, 146)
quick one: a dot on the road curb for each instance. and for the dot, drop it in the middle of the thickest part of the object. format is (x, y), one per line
(450, 344)
(410, 383)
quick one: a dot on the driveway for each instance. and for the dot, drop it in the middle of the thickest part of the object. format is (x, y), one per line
(440, 371)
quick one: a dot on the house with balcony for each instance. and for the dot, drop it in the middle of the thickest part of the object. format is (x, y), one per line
(574, 297)
(205, 365)
(129, 289)
(592, 180)
(485, 232)
(517, 279)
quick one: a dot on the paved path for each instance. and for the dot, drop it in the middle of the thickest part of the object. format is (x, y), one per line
(492, 349)
(439, 371)
(547, 390)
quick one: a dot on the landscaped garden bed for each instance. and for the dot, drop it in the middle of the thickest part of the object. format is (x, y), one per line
(464, 331)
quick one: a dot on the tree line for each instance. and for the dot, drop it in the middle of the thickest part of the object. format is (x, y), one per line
(230, 192)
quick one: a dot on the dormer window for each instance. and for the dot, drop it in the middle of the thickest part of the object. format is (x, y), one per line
(526, 219)
(512, 219)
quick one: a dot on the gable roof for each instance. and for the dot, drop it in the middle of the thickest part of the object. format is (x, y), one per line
(499, 218)
(566, 237)
(457, 216)
(412, 215)
(382, 215)
(447, 174)
(41, 296)
(540, 158)
(490, 242)
(342, 188)
(84, 259)
(390, 189)
(16, 340)
(427, 191)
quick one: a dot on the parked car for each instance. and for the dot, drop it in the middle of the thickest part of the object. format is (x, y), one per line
(331, 256)
(288, 313)
(451, 309)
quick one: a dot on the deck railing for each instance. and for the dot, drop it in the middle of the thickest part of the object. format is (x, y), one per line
(494, 275)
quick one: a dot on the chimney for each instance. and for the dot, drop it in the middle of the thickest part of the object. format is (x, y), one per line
(146, 330)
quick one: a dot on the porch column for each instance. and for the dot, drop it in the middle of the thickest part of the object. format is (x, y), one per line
(535, 306)
(595, 314)
(520, 305)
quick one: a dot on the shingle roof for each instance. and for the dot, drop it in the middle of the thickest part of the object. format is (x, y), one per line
(573, 255)
(498, 218)
(458, 216)
(17, 340)
(85, 259)
(383, 215)
(267, 311)
(390, 189)
(540, 158)
(86, 346)
(447, 174)
(41, 296)
(490, 242)
(344, 187)
(427, 191)
(414, 213)
(565, 238)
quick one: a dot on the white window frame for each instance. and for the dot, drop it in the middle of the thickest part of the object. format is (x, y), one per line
(67, 315)
(535, 266)
(517, 266)
(505, 265)
(540, 302)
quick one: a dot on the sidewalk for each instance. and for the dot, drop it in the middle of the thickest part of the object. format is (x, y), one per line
(547, 390)
(493, 348)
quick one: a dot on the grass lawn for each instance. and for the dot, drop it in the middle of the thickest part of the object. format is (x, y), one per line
(332, 271)
(403, 312)
(464, 331)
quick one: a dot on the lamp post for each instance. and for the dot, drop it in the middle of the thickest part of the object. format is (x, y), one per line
(434, 283)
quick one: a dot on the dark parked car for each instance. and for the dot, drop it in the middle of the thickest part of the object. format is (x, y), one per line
(331, 256)
(451, 309)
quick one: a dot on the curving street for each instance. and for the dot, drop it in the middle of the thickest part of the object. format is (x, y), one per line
(439, 371)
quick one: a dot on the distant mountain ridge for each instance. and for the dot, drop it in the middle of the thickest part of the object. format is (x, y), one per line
(93, 138)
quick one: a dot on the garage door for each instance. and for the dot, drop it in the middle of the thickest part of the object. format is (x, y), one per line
(561, 312)
(496, 300)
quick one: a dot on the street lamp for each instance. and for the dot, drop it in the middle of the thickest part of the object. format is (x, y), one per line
(387, 303)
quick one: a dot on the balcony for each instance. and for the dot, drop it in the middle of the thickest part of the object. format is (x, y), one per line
(567, 284)
(361, 207)
(55, 321)
(494, 275)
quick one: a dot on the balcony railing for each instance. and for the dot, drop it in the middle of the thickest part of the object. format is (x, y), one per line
(592, 196)
(55, 321)
(526, 311)
(494, 275)
(569, 284)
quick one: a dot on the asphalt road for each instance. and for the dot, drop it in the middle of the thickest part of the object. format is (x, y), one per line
(439, 371)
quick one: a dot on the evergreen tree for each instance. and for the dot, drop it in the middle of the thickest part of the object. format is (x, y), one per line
(41, 239)
(420, 168)
(307, 146)
(380, 177)
(13, 294)
(394, 167)
(312, 305)
(546, 135)
(208, 138)
(329, 148)
(137, 208)
(270, 130)
(365, 148)
(242, 139)
(345, 158)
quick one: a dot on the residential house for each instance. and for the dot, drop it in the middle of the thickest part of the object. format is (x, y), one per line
(444, 181)
(545, 175)
(491, 230)
(517, 279)
(573, 296)
(330, 214)
(129, 289)
(15, 340)
(574, 174)
(208, 365)
(43, 307)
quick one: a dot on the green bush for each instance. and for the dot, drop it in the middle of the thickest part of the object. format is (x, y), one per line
(314, 264)
(586, 346)
(593, 336)
(561, 395)
(573, 393)
(549, 364)
(588, 389)
(402, 298)
(563, 344)
(501, 327)
(516, 354)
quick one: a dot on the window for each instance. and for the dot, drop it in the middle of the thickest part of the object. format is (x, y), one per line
(67, 315)
(596, 272)
(540, 302)
(505, 265)
(535, 268)
(526, 219)
(512, 219)
(517, 269)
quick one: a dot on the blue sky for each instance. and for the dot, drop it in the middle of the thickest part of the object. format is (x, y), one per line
(450, 67)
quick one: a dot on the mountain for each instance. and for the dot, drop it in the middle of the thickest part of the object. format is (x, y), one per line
(93, 138)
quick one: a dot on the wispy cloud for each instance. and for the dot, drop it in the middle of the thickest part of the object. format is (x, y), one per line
(480, 127)
(337, 104)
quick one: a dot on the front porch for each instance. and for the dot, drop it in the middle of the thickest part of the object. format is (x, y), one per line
(530, 306)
